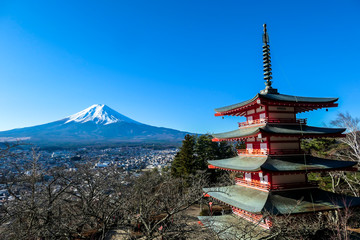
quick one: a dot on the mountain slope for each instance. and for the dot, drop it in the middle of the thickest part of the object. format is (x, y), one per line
(96, 124)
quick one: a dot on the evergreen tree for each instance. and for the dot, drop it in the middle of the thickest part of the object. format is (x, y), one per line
(319, 147)
(185, 158)
(205, 149)
(196, 151)
(225, 150)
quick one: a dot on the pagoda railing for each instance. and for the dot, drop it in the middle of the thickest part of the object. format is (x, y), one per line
(288, 120)
(252, 151)
(252, 183)
(267, 186)
(252, 122)
(255, 218)
(268, 152)
(273, 120)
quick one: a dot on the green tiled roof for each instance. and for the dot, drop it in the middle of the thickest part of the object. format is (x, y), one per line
(244, 163)
(233, 227)
(279, 129)
(237, 105)
(299, 129)
(281, 202)
(238, 133)
(290, 98)
(303, 162)
(241, 197)
(280, 163)
(278, 97)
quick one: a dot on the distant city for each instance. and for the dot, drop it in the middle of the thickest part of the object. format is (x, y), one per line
(133, 160)
(127, 158)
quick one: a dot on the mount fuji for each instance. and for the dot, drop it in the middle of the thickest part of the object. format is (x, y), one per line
(98, 124)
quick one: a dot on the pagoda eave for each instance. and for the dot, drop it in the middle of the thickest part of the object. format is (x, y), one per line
(302, 107)
(281, 164)
(233, 139)
(261, 100)
(323, 136)
(232, 170)
(279, 130)
(306, 200)
(238, 111)
(346, 169)
(301, 136)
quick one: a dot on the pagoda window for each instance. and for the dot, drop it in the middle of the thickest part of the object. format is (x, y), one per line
(252, 139)
(250, 119)
(264, 179)
(247, 176)
(263, 147)
(249, 147)
(262, 117)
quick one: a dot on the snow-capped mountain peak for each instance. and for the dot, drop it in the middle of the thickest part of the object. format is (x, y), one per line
(99, 114)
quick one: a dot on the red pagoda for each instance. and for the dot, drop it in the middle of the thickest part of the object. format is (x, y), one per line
(272, 171)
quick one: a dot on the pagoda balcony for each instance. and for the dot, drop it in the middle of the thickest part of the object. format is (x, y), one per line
(256, 184)
(254, 218)
(253, 184)
(302, 121)
(252, 151)
(268, 152)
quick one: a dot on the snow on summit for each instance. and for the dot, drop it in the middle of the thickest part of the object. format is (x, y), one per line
(99, 114)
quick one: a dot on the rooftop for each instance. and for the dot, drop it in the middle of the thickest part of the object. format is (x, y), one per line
(290, 130)
(281, 202)
(281, 163)
(300, 102)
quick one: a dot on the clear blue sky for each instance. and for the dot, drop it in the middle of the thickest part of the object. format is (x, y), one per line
(170, 63)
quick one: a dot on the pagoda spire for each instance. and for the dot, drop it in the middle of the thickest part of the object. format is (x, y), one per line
(267, 64)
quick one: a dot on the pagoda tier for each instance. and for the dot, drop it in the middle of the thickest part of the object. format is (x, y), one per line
(285, 163)
(298, 130)
(266, 173)
(272, 102)
(280, 202)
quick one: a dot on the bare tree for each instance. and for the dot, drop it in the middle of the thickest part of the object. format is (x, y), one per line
(88, 202)
(6, 148)
(61, 204)
(350, 151)
(352, 139)
(34, 208)
(158, 203)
